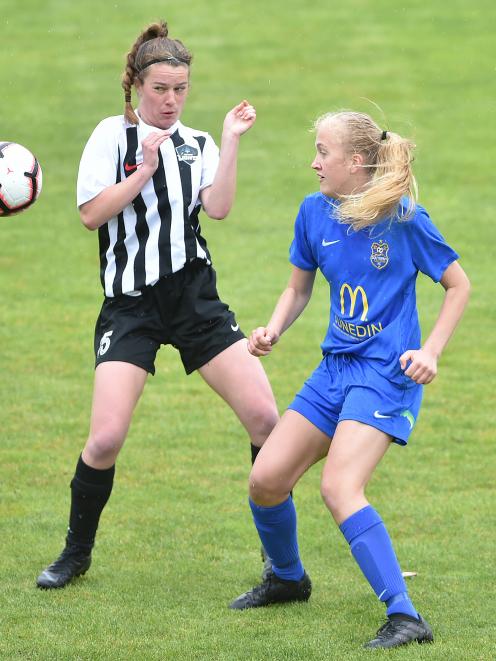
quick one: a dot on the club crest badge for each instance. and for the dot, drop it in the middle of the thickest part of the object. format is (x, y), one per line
(379, 255)
(187, 153)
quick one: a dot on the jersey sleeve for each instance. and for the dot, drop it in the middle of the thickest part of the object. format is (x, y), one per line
(300, 251)
(98, 165)
(430, 252)
(210, 162)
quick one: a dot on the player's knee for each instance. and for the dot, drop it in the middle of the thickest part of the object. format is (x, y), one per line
(266, 489)
(258, 487)
(262, 419)
(333, 496)
(104, 444)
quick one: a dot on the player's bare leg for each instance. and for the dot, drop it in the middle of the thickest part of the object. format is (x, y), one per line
(355, 452)
(239, 378)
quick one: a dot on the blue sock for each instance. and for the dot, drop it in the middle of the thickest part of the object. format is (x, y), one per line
(372, 549)
(277, 529)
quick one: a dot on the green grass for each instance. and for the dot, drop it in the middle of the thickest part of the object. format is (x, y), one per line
(176, 541)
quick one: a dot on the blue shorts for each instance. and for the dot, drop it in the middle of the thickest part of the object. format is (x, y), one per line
(348, 387)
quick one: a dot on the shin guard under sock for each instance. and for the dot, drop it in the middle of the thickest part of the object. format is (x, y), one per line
(277, 529)
(90, 491)
(372, 549)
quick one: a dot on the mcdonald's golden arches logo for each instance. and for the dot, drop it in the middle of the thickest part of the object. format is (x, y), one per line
(353, 293)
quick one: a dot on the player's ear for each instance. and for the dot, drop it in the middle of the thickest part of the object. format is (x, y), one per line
(356, 163)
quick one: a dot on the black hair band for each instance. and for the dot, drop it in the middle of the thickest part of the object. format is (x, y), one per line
(168, 58)
(384, 135)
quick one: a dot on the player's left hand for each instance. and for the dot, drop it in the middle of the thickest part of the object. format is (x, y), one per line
(423, 365)
(240, 118)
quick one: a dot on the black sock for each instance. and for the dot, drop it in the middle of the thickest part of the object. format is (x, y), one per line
(91, 489)
(254, 452)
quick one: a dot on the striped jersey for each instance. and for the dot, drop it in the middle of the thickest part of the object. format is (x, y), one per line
(159, 232)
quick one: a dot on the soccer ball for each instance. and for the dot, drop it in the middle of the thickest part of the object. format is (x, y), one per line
(20, 178)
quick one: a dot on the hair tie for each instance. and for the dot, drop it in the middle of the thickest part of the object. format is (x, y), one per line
(166, 59)
(127, 97)
(384, 135)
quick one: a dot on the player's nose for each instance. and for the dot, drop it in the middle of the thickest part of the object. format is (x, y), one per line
(169, 97)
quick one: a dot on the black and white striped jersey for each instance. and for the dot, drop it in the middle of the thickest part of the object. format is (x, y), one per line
(159, 232)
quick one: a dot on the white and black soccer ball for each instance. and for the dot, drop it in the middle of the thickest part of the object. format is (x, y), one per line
(20, 178)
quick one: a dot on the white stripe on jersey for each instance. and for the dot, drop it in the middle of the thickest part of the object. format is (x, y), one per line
(132, 245)
(111, 269)
(171, 165)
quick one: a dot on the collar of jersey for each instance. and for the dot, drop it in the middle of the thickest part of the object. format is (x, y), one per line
(330, 200)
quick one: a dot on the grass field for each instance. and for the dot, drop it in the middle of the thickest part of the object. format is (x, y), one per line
(176, 541)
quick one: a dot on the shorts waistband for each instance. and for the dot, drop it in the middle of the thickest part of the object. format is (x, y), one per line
(193, 266)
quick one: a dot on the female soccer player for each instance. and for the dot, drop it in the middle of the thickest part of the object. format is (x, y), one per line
(370, 239)
(142, 180)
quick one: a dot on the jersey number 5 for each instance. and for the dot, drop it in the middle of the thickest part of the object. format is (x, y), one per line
(104, 343)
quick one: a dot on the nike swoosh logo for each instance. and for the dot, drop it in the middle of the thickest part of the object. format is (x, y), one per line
(379, 415)
(235, 328)
(129, 167)
(329, 243)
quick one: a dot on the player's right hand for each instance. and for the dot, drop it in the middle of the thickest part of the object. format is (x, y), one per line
(261, 341)
(151, 145)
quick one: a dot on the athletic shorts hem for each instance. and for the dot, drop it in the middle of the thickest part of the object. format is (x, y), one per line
(395, 438)
(313, 417)
(130, 361)
(213, 352)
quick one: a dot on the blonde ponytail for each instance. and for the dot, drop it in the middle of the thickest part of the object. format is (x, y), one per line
(389, 157)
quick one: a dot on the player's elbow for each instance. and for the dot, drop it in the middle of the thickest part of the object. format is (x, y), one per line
(462, 288)
(217, 207)
(87, 218)
(217, 213)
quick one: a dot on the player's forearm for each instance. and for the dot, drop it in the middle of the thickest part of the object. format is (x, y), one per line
(219, 198)
(289, 307)
(454, 304)
(113, 200)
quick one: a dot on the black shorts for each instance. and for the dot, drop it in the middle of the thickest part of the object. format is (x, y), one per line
(182, 309)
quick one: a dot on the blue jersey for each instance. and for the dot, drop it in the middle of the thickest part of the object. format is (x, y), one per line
(372, 275)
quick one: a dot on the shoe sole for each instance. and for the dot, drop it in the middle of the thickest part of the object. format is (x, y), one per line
(423, 641)
(292, 600)
(270, 604)
(59, 587)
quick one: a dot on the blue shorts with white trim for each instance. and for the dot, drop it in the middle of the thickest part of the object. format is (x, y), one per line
(349, 387)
